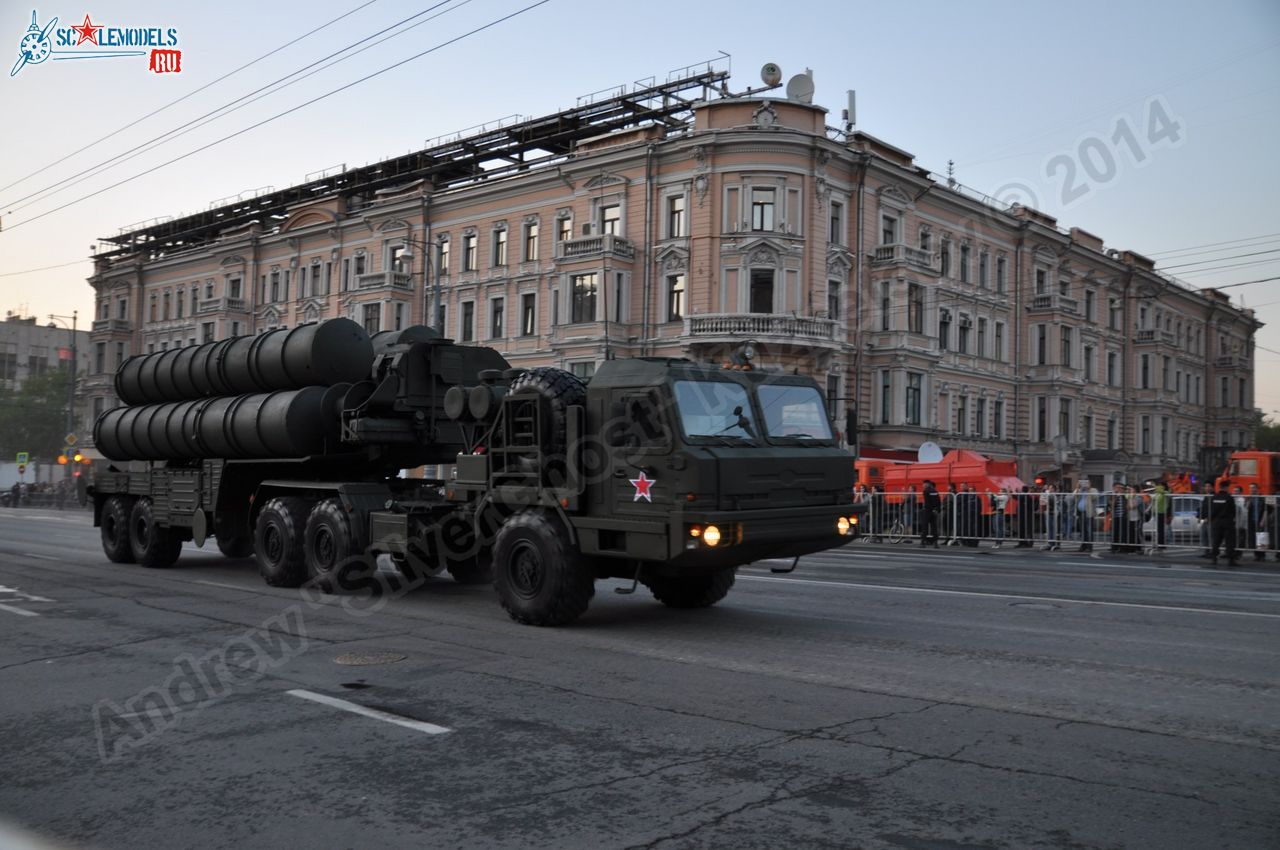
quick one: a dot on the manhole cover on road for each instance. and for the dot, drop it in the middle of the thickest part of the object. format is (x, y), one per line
(1041, 605)
(368, 659)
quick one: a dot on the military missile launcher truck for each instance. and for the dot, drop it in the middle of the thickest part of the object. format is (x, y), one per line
(289, 446)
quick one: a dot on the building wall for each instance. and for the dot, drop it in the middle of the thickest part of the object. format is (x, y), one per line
(838, 257)
(28, 348)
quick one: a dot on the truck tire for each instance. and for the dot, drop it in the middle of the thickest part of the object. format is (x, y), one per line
(692, 591)
(561, 389)
(329, 544)
(114, 526)
(235, 547)
(153, 546)
(231, 533)
(541, 580)
(277, 541)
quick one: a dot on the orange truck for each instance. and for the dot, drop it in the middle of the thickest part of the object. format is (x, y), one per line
(1245, 468)
(959, 467)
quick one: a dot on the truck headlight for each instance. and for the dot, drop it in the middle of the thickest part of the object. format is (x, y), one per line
(711, 535)
(842, 525)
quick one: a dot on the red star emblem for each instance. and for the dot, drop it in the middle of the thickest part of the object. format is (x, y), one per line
(642, 485)
(88, 31)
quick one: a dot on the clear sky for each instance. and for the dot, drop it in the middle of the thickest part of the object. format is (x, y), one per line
(1152, 124)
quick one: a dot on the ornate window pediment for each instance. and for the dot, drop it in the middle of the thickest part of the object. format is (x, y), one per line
(673, 258)
(605, 179)
(892, 196)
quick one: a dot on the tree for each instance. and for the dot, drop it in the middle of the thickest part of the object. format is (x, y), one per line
(34, 418)
(1267, 436)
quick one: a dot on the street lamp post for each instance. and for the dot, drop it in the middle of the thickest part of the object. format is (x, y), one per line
(71, 382)
(428, 279)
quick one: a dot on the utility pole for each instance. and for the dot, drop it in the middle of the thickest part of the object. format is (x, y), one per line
(71, 378)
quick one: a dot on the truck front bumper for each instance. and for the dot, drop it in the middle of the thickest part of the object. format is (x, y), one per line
(746, 536)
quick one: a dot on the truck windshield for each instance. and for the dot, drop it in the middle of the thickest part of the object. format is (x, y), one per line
(714, 409)
(794, 411)
(1244, 466)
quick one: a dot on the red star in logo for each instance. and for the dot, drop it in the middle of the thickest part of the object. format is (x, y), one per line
(88, 31)
(642, 485)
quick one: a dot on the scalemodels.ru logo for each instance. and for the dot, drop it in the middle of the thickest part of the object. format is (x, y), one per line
(88, 40)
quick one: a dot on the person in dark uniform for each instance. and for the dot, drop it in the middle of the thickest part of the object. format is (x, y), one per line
(931, 505)
(1222, 515)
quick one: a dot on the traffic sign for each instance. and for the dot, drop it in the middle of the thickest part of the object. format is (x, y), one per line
(22, 469)
(70, 439)
(24, 457)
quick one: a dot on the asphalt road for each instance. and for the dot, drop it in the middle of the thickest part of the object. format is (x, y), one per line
(881, 697)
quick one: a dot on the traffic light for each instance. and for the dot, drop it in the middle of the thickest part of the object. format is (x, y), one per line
(62, 460)
(78, 457)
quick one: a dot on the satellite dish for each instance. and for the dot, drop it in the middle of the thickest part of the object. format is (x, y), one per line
(770, 74)
(929, 453)
(800, 88)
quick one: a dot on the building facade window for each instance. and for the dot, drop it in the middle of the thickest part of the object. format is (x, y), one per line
(962, 415)
(442, 263)
(675, 297)
(1002, 265)
(583, 297)
(964, 263)
(962, 336)
(1066, 339)
(372, 318)
(762, 208)
(997, 418)
(915, 385)
(944, 330)
(528, 314)
(981, 349)
(944, 258)
(530, 242)
(500, 247)
(1042, 419)
(998, 342)
(835, 230)
(468, 318)
(886, 305)
(983, 263)
(611, 220)
(1042, 345)
(886, 395)
(833, 299)
(915, 308)
(497, 323)
(564, 228)
(1088, 364)
(888, 229)
(469, 258)
(761, 294)
(980, 418)
(677, 222)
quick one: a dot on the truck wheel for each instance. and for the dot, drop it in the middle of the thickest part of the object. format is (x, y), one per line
(561, 389)
(231, 533)
(329, 545)
(541, 580)
(691, 591)
(154, 546)
(277, 541)
(114, 525)
(235, 547)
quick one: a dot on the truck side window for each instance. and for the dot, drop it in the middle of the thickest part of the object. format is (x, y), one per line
(647, 426)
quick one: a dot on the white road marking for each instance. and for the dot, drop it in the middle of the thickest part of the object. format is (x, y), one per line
(21, 611)
(1010, 596)
(334, 702)
(41, 557)
(26, 597)
(228, 586)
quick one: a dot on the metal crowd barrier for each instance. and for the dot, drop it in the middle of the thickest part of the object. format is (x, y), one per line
(1070, 521)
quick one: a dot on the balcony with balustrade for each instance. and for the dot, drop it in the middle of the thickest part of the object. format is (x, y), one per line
(763, 327)
(588, 247)
(904, 256)
(1054, 303)
(384, 280)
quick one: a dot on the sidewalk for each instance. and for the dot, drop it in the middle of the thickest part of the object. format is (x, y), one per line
(1182, 556)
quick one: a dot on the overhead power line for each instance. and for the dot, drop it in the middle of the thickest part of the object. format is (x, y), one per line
(1212, 245)
(1221, 259)
(189, 94)
(227, 108)
(43, 268)
(289, 111)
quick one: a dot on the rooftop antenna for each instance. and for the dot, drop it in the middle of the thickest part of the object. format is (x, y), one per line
(850, 114)
(800, 87)
(951, 174)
